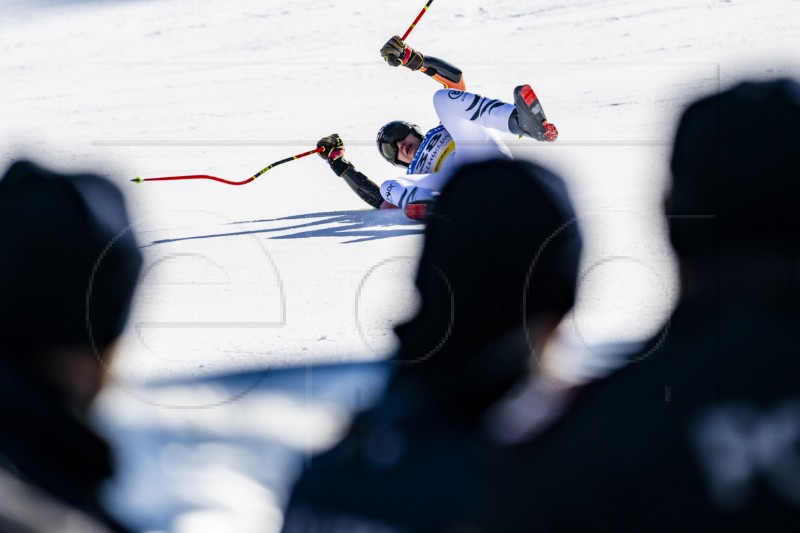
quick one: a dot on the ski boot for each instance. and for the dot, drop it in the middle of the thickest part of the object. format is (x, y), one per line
(528, 118)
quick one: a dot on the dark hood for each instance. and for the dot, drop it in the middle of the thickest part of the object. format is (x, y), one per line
(63, 239)
(501, 248)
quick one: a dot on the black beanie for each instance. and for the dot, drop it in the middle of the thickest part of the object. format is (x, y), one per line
(502, 246)
(736, 171)
(64, 241)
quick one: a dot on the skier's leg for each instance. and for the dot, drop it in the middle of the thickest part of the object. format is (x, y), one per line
(524, 117)
(477, 109)
(420, 187)
(473, 121)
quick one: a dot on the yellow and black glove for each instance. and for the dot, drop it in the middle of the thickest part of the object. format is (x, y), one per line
(333, 147)
(333, 153)
(396, 53)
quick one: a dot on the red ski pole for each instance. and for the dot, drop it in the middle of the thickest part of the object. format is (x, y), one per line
(137, 179)
(424, 9)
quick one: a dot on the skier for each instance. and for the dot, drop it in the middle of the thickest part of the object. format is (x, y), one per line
(468, 132)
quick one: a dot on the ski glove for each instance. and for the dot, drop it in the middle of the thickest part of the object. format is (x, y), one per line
(333, 147)
(396, 53)
(333, 153)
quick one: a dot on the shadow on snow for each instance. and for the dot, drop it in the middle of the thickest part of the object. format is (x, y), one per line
(362, 225)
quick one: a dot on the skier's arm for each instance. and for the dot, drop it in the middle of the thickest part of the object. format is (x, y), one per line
(448, 75)
(333, 153)
(397, 53)
(361, 185)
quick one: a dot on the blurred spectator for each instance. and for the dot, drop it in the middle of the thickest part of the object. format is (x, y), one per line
(68, 267)
(700, 432)
(499, 267)
(497, 272)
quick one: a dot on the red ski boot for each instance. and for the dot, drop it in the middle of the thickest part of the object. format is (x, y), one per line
(528, 118)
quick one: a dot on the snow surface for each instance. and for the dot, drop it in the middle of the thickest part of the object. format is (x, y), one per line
(294, 267)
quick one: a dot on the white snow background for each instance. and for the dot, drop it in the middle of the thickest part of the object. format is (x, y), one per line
(294, 268)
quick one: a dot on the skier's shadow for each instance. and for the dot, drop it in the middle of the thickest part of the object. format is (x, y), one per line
(361, 225)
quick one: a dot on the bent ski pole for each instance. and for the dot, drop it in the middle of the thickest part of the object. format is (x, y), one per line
(137, 179)
(424, 9)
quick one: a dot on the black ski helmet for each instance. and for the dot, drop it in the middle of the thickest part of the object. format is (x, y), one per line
(390, 133)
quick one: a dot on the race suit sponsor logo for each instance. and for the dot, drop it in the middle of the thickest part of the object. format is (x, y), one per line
(432, 152)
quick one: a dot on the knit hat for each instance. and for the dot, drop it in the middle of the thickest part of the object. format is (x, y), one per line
(735, 171)
(68, 262)
(501, 247)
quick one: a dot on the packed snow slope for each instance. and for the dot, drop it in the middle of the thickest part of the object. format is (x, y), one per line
(294, 267)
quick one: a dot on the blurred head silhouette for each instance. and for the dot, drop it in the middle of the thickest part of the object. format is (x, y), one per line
(68, 268)
(498, 270)
(735, 166)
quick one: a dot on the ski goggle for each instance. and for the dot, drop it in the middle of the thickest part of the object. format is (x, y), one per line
(389, 136)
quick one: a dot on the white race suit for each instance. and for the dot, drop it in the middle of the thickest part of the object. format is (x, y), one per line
(468, 132)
